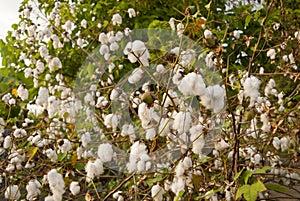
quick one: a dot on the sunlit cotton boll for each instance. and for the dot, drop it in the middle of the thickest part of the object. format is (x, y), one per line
(74, 187)
(83, 23)
(105, 152)
(131, 13)
(117, 19)
(12, 192)
(208, 34)
(56, 184)
(157, 192)
(22, 92)
(192, 85)
(236, 34)
(137, 50)
(104, 49)
(103, 38)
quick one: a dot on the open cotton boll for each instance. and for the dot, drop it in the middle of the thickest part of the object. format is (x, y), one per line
(214, 98)
(138, 158)
(93, 169)
(74, 187)
(64, 145)
(22, 92)
(131, 12)
(157, 192)
(33, 189)
(103, 38)
(137, 50)
(112, 121)
(197, 138)
(266, 124)
(208, 34)
(251, 88)
(192, 85)
(117, 19)
(147, 114)
(56, 184)
(85, 139)
(150, 134)
(12, 192)
(104, 49)
(182, 121)
(135, 76)
(105, 152)
(271, 53)
(220, 145)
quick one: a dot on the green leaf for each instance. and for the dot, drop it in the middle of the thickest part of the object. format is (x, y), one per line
(180, 194)
(277, 187)
(247, 175)
(239, 174)
(250, 191)
(262, 170)
(241, 191)
(247, 20)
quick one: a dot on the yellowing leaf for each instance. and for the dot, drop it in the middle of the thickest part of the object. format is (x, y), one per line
(14, 92)
(32, 153)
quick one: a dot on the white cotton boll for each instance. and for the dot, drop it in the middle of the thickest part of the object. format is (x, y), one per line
(112, 121)
(43, 51)
(192, 85)
(83, 23)
(105, 152)
(157, 192)
(56, 184)
(284, 143)
(104, 49)
(285, 58)
(172, 23)
(18, 133)
(12, 192)
(150, 134)
(79, 42)
(74, 187)
(7, 142)
(178, 185)
(40, 66)
(182, 121)
(43, 96)
(256, 159)
(103, 38)
(180, 29)
(33, 189)
(135, 76)
(51, 154)
(271, 53)
(131, 13)
(214, 98)
(89, 99)
(187, 162)
(119, 35)
(160, 68)
(236, 34)
(297, 35)
(93, 169)
(28, 72)
(114, 46)
(68, 25)
(164, 126)
(65, 145)
(208, 34)
(220, 145)
(197, 138)
(55, 62)
(210, 61)
(266, 124)
(251, 89)
(101, 102)
(85, 139)
(137, 50)
(116, 19)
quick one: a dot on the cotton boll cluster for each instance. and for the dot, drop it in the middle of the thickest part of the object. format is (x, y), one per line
(251, 89)
(8, 99)
(56, 184)
(36, 139)
(139, 159)
(157, 192)
(269, 89)
(93, 168)
(74, 187)
(137, 51)
(282, 143)
(19, 132)
(105, 152)
(12, 192)
(33, 189)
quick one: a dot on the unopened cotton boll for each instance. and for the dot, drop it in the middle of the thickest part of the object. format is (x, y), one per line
(116, 19)
(131, 13)
(157, 192)
(12, 192)
(105, 152)
(74, 187)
